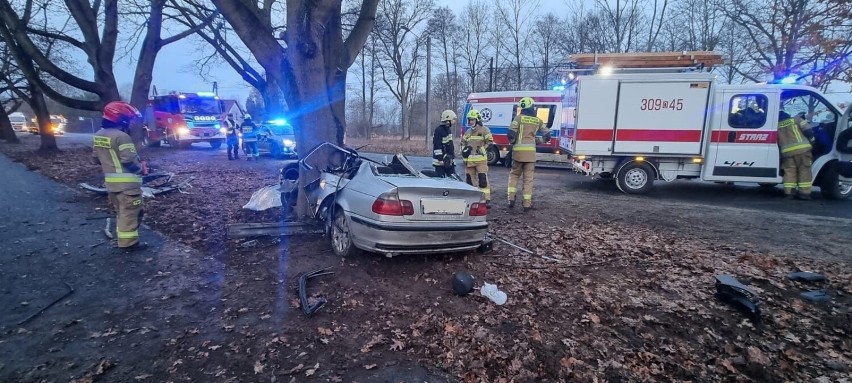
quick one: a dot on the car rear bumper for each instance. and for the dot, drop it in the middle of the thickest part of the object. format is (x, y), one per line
(416, 238)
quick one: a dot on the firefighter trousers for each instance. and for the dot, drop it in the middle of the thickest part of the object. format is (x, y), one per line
(797, 173)
(128, 207)
(527, 170)
(250, 148)
(477, 175)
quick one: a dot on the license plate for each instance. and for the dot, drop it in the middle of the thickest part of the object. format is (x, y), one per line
(443, 206)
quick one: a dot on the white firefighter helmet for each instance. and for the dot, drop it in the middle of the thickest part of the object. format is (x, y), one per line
(448, 115)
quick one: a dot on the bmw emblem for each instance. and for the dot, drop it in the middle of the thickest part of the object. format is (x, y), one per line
(446, 193)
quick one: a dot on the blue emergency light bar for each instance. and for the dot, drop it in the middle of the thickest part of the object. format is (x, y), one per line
(279, 121)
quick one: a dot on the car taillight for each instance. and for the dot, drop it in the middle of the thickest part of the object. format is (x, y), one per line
(478, 209)
(390, 204)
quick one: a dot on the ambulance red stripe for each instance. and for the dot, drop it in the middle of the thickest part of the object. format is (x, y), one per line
(512, 99)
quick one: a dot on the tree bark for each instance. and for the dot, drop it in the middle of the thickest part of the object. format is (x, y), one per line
(6, 131)
(39, 106)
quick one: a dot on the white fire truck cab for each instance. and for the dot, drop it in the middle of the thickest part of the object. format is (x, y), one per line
(638, 128)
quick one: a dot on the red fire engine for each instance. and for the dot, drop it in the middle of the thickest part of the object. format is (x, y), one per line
(181, 119)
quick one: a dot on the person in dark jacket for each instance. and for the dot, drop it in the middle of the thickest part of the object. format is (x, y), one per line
(443, 152)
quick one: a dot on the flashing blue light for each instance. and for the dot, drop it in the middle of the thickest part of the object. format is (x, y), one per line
(205, 94)
(279, 121)
(558, 87)
(788, 80)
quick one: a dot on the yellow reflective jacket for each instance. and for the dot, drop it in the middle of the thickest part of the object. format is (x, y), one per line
(479, 138)
(791, 140)
(115, 152)
(526, 128)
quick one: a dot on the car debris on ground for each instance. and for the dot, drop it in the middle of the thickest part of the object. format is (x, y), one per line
(308, 308)
(152, 185)
(738, 295)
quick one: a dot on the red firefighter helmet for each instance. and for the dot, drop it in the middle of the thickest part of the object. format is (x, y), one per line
(120, 112)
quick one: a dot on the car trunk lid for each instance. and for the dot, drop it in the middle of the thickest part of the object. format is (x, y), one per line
(436, 200)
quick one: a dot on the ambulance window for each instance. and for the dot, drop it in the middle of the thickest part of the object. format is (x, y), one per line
(748, 111)
(544, 112)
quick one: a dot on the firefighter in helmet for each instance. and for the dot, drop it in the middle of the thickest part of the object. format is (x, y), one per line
(443, 153)
(794, 142)
(250, 132)
(475, 143)
(115, 152)
(522, 137)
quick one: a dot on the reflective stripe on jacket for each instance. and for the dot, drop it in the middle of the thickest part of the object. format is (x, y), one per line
(526, 128)
(791, 140)
(114, 148)
(442, 145)
(249, 130)
(479, 138)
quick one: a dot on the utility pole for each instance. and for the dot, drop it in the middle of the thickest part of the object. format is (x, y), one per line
(428, 87)
(491, 75)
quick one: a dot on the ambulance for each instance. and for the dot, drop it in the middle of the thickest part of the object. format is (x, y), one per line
(498, 109)
(641, 128)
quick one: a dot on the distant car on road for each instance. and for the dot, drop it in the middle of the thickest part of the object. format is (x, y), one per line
(57, 125)
(277, 138)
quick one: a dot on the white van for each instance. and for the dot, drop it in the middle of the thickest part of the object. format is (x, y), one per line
(19, 121)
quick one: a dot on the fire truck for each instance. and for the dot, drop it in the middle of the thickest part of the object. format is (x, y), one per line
(666, 122)
(498, 109)
(181, 119)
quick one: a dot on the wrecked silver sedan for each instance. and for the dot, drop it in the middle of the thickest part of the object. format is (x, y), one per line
(391, 208)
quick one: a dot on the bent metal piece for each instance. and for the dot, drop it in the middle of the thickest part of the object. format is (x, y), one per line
(307, 308)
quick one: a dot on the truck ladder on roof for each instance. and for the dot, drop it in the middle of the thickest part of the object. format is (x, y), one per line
(645, 62)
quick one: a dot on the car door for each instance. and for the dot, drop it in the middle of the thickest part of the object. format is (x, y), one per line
(744, 144)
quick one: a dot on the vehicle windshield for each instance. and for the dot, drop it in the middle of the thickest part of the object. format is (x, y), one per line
(200, 105)
(56, 121)
(18, 119)
(280, 130)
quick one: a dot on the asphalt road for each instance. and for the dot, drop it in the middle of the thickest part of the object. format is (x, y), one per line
(740, 195)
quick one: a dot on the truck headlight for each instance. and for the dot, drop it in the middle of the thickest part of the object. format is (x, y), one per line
(183, 131)
(288, 142)
(223, 130)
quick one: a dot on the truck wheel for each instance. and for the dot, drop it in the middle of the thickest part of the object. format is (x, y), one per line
(831, 187)
(635, 178)
(493, 155)
(216, 144)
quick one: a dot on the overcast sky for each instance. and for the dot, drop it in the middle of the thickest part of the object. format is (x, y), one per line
(174, 68)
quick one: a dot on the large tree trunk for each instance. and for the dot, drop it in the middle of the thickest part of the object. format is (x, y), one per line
(145, 67)
(39, 106)
(6, 131)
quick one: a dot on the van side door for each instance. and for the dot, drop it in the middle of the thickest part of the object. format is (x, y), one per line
(744, 142)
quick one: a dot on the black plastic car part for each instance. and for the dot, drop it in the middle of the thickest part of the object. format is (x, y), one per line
(738, 295)
(307, 308)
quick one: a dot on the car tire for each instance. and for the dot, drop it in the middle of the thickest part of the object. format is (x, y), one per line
(216, 144)
(276, 152)
(830, 186)
(635, 178)
(340, 236)
(493, 155)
